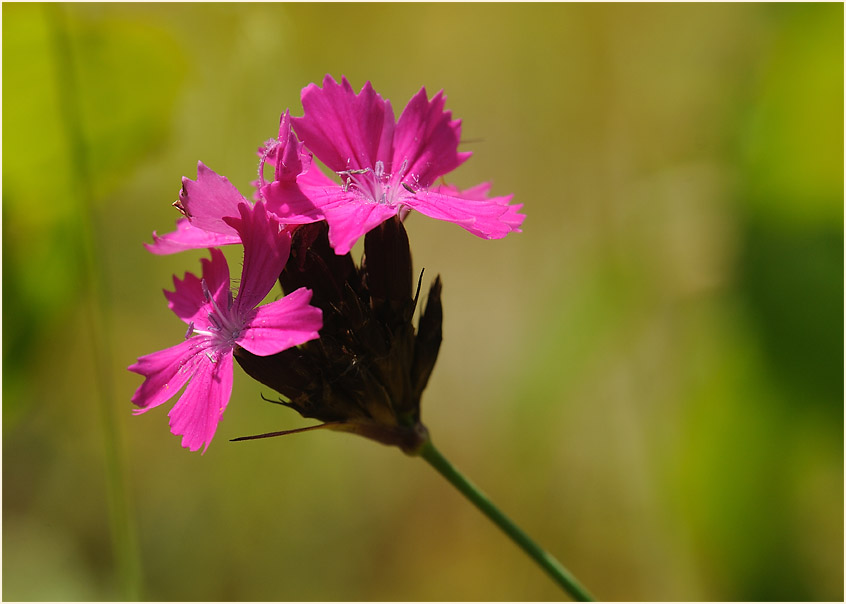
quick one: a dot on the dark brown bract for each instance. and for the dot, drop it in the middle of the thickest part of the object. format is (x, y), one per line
(367, 371)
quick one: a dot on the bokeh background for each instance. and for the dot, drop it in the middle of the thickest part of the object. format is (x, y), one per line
(649, 378)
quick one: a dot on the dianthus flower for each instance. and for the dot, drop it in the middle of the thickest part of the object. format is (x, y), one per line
(386, 166)
(366, 371)
(218, 323)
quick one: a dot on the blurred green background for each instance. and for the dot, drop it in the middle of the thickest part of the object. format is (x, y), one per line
(648, 379)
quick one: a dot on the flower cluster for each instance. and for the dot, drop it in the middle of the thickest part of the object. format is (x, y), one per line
(340, 346)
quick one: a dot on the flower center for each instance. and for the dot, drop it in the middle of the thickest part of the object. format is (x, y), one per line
(224, 325)
(377, 186)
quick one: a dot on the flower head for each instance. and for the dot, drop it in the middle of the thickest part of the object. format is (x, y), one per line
(218, 324)
(367, 372)
(386, 167)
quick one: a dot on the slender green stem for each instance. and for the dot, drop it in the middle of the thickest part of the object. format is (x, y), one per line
(95, 302)
(548, 563)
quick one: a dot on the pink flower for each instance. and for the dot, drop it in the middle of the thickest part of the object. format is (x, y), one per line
(386, 166)
(217, 323)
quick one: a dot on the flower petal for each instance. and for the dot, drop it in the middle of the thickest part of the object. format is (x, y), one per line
(266, 250)
(348, 221)
(279, 325)
(165, 372)
(300, 202)
(293, 168)
(188, 300)
(289, 155)
(488, 218)
(216, 276)
(188, 237)
(198, 411)
(427, 139)
(210, 199)
(346, 131)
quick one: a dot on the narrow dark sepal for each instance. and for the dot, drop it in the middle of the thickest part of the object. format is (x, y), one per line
(428, 341)
(314, 264)
(387, 264)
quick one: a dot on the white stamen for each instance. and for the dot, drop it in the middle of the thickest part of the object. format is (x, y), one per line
(224, 326)
(379, 186)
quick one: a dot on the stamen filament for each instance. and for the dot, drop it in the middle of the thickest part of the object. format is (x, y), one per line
(378, 186)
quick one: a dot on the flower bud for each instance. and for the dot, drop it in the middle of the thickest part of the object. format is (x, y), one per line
(367, 371)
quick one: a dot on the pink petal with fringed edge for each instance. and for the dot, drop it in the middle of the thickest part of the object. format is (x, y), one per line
(198, 411)
(490, 218)
(266, 250)
(511, 216)
(165, 372)
(292, 203)
(279, 325)
(216, 276)
(350, 221)
(188, 301)
(427, 139)
(346, 131)
(479, 192)
(188, 237)
(306, 201)
(294, 172)
(210, 199)
(288, 161)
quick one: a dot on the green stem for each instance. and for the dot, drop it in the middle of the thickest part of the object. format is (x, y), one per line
(548, 563)
(95, 302)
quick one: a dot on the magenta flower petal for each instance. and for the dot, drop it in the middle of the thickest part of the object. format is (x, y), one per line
(165, 372)
(349, 221)
(279, 325)
(266, 249)
(295, 203)
(188, 237)
(285, 153)
(346, 131)
(488, 218)
(479, 192)
(216, 276)
(426, 140)
(210, 199)
(290, 161)
(294, 172)
(188, 299)
(198, 411)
